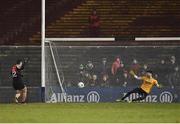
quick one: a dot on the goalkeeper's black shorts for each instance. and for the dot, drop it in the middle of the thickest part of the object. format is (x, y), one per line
(18, 84)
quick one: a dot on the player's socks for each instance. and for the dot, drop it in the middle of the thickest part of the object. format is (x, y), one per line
(17, 97)
(16, 100)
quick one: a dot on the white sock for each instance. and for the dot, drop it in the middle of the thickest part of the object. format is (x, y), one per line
(17, 96)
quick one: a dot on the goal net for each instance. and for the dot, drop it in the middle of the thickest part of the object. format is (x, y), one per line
(67, 64)
(53, 74)
(59, 63)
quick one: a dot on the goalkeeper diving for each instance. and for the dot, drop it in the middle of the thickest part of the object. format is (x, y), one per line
(145, 88)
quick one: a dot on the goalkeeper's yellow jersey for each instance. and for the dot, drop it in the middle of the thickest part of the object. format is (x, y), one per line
(148, 83)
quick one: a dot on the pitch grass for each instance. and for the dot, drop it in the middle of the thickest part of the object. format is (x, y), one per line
(86, 112)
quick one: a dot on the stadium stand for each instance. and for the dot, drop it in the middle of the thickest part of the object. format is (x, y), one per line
(120, 19)
(21, 20)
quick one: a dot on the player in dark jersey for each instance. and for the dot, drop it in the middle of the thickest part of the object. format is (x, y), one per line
(18, 84)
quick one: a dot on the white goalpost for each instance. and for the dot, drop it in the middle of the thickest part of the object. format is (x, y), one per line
(43, 50)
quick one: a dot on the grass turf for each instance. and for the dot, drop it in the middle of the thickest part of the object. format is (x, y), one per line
(90, 112)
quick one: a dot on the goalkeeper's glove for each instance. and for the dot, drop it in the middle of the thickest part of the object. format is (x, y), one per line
(160, 86)
(132, 73)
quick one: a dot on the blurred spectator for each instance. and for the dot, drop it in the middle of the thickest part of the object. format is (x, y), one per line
(144, 69)
(104, 69)
(104, 77)
(82, 73)
(89, 65)
(116, 66)
(174, 78)
(126, 79)
(135, 67)
(94, 24)
(90, 68)
(94, 80)
(81, 70)
(171, 65)
(117, 70)
(105, 81)
(173, 59)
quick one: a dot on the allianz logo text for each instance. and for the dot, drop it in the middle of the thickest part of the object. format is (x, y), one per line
(92, 96)
(164, 97)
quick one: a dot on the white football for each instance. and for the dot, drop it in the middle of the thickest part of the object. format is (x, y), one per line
(80, 84)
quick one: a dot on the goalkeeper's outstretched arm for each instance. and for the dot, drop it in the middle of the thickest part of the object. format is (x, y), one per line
(137, 77)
